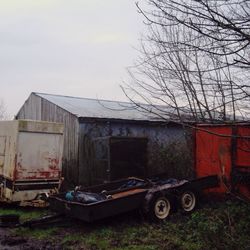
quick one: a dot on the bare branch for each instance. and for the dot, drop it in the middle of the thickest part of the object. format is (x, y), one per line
(195, 59)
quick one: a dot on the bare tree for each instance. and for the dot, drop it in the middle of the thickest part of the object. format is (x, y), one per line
(3, 111)
(195, 59)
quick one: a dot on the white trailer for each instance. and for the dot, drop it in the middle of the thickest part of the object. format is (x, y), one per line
(30, 159)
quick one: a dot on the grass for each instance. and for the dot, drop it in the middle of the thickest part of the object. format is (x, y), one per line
(24, 213)
(222, 225)
(39, 234)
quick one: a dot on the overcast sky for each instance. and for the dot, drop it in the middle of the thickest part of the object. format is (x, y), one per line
(77, 48)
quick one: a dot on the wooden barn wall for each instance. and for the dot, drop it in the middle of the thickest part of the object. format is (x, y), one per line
(37, 108)
(31, 109)
(169, 146)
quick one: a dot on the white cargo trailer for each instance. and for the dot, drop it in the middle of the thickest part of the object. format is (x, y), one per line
(30, 159)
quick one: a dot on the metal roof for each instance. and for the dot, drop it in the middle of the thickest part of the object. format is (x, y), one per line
(94, 108)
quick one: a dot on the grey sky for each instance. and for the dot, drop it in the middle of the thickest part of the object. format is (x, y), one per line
(77, 47)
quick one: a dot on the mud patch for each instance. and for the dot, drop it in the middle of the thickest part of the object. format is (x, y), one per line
(14, 242)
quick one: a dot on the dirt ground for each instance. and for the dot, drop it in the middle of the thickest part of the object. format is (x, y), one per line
(214, 225)
(8, 241)
(11, 240)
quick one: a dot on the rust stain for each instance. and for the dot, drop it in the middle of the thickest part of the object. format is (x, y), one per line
(22, 173)
(223, 154)
(40, 174)
(53, 163)
(19, 171)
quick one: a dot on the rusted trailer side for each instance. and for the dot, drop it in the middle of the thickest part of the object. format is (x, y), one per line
(224, 150)
(30, 158)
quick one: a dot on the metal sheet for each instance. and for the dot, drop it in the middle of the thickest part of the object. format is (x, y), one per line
(224, 155)
(39, 156)
(30, 151)
(86, 107)
(8, 134)
(213, 155)
(243, 146)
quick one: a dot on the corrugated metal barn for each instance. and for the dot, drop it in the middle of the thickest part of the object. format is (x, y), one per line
(105, 140)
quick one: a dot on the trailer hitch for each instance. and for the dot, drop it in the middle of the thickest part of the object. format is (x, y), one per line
(9, 220)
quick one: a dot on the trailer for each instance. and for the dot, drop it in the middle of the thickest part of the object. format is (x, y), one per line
(30, 160)
(155, 197)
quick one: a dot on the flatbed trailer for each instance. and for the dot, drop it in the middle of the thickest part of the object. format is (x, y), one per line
(156, 198)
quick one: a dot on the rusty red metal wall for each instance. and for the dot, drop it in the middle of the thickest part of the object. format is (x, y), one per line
(224, 150)
(243, 145)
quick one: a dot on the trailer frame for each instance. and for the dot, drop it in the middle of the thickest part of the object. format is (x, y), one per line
(149, 197)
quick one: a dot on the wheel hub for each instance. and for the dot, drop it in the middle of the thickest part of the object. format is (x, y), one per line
(162, 208)
(188, 201)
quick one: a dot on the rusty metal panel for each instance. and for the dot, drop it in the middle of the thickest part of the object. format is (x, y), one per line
(27, 195)
(243, 147)
(224, 150)
(30, 151)
(241, 171)
(213, 154)
(8, 135)
(38, 156)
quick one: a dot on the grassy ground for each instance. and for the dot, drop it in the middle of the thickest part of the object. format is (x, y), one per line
(221, 225)
(24, 213)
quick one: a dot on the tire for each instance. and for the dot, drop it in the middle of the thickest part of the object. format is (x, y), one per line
(188, 201)
(160, 208)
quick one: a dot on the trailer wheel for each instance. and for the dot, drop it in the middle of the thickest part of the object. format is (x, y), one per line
(160, 208)
(188, 201)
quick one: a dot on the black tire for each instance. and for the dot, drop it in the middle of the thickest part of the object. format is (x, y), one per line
(160, 208)
(188, 201)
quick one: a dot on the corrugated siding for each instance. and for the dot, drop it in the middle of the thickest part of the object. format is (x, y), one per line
(95, 108)
(36, 108)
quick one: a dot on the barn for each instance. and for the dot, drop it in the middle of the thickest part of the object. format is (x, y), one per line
(106, 140)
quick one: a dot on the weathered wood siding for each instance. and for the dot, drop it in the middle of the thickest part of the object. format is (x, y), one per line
(169, 146)
(31, 109)
(37, 108)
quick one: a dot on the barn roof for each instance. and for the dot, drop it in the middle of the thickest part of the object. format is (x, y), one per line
(95, 108)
